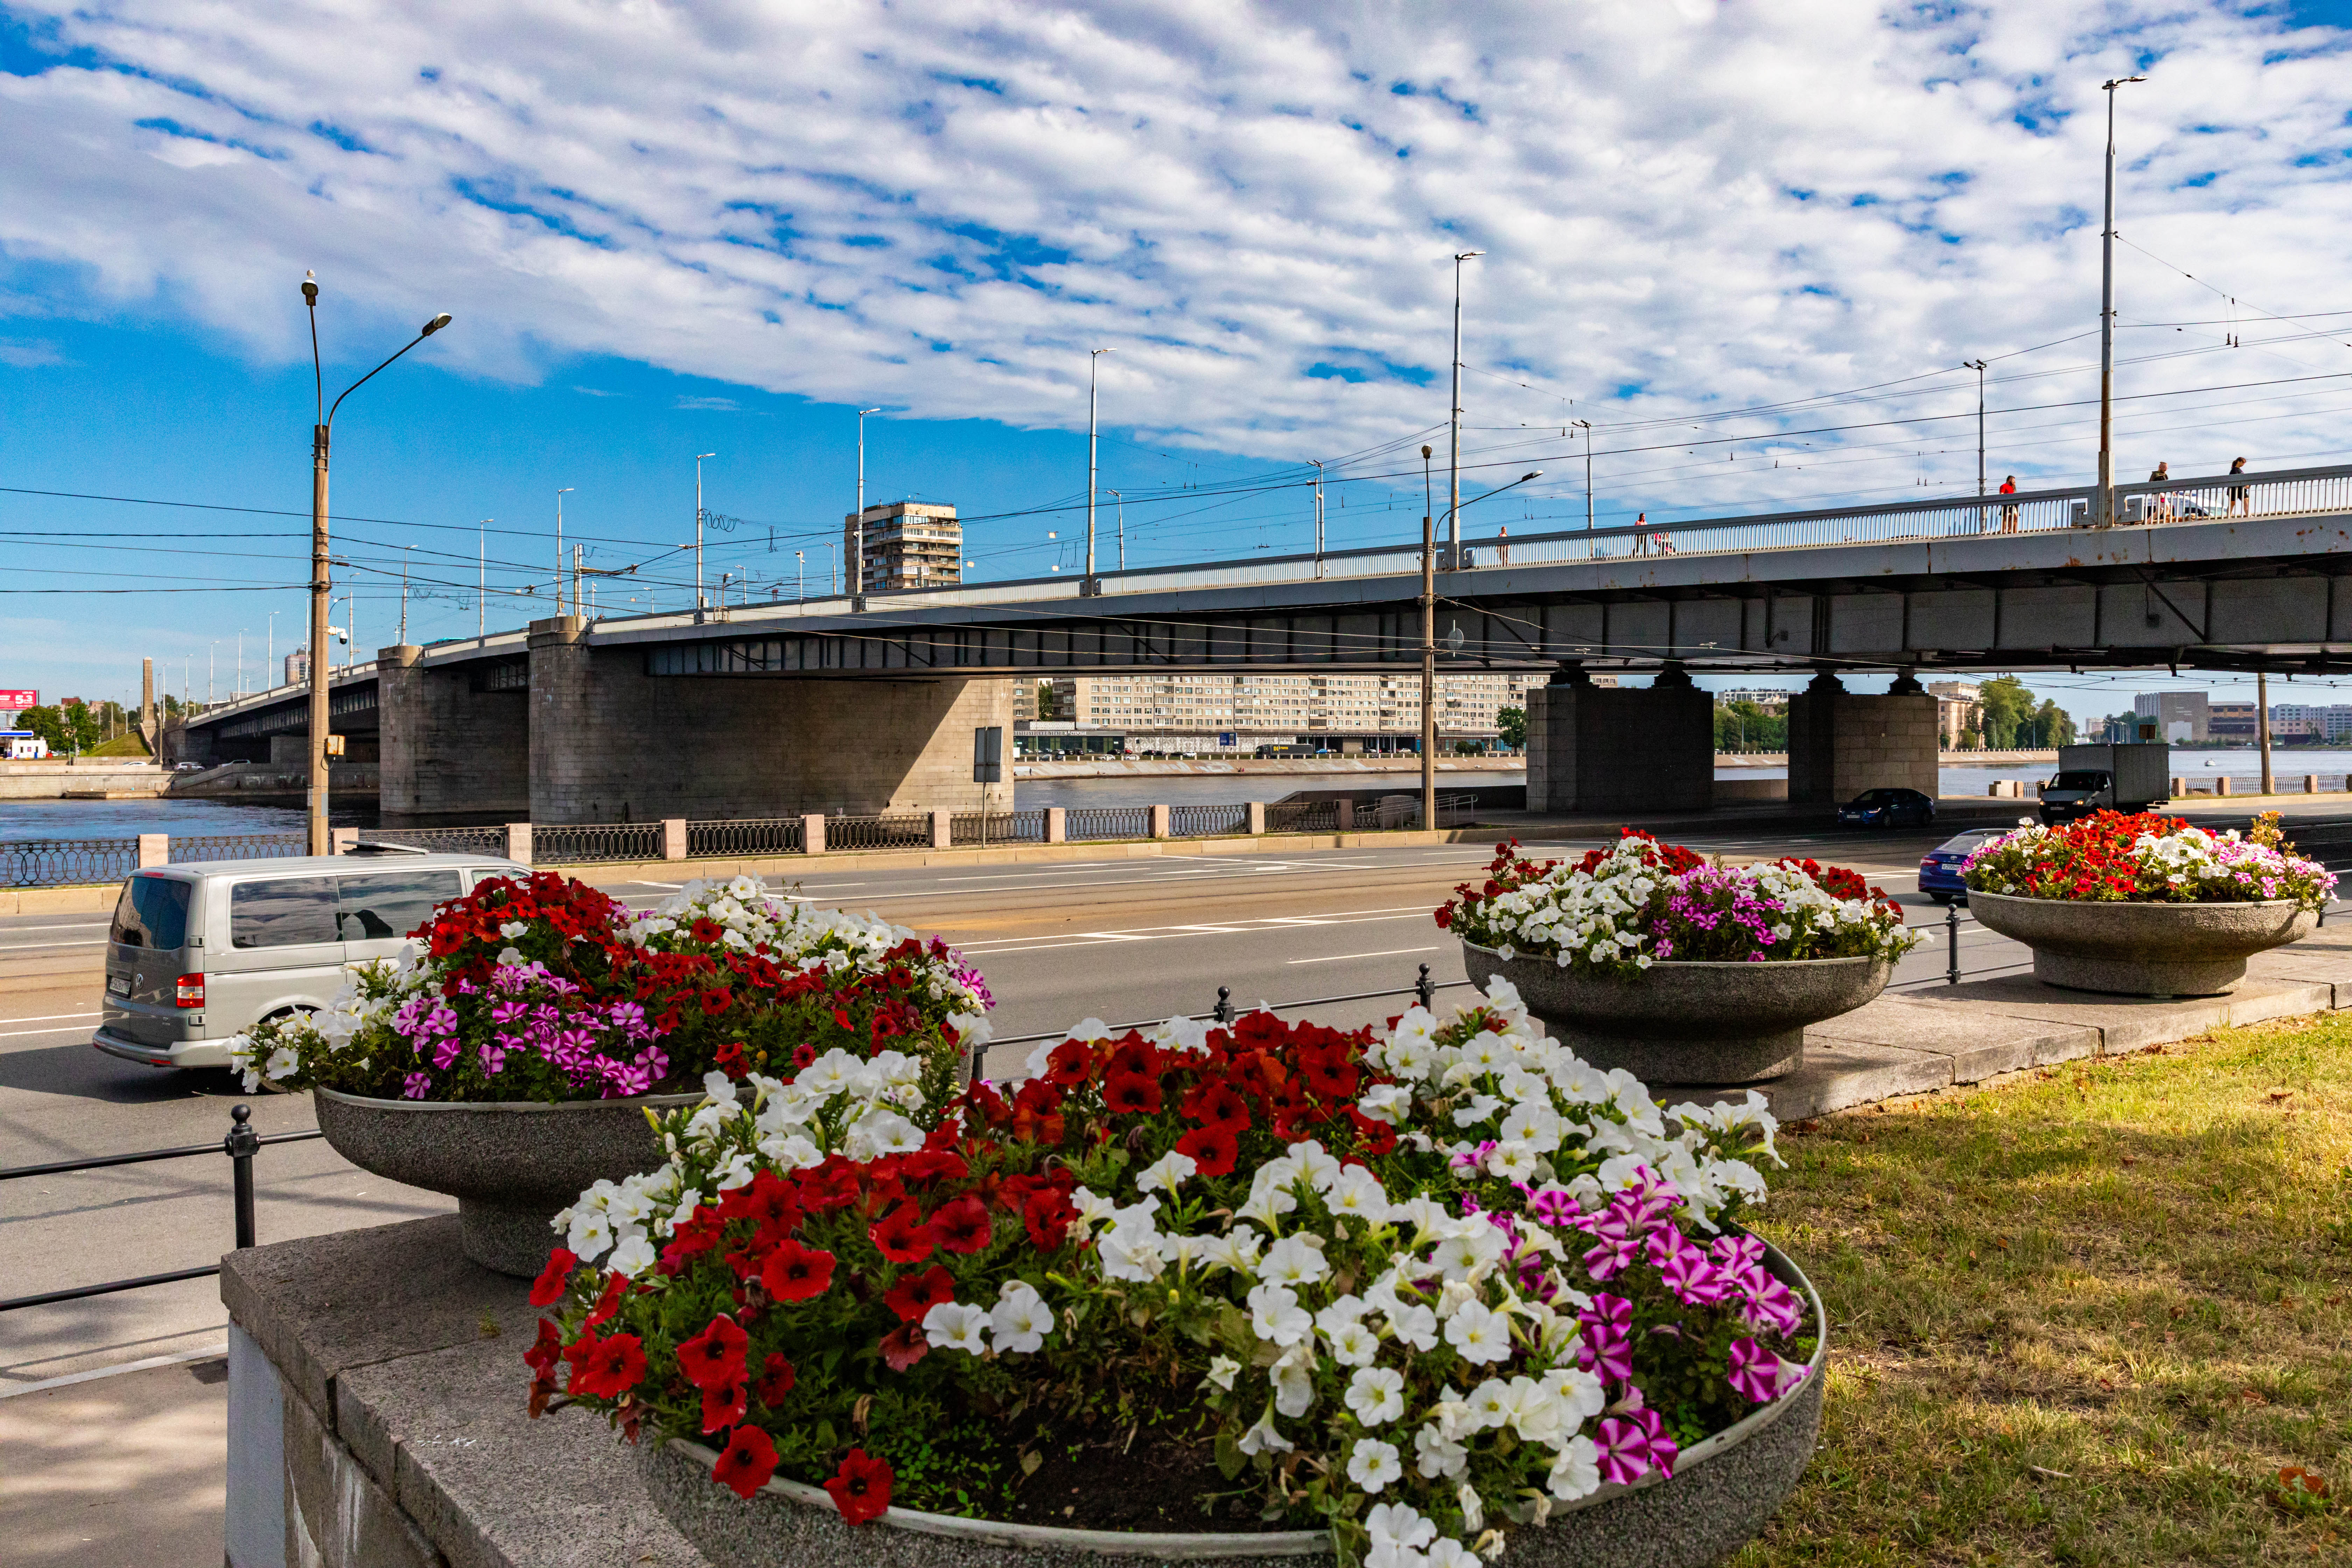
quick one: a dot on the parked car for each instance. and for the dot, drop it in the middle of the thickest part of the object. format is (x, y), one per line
(1889, 808)
(1939, 869)
(199, 953)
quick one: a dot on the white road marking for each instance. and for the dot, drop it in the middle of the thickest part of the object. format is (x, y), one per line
(44, 946)
(1165, 934)
(1344, 957)
(47, 1017)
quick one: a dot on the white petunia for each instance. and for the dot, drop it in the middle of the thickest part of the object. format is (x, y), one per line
(1237, 1249)
(1447, 1552)
(1166, 1173)
(1294, 1260)
(1376, 1394)
(1480, 1335)
(282, 1062)
(1490, 1404)
(1358, 1193)
(1222, 1371)
(718, 1087)
(1267, 1206)
(1276, 1316)
(1581, 1395)
(956, 1327)
(1389, 1103)
(1397, 1524)
(1374, 1464)
(1577, 1472)
(632, 1256)
(1294, 1380)
(1352, 1345)
(591, 1235)
(1262, 1438)
(1414, 1324)
(1438, 1455)
(1021, 1319)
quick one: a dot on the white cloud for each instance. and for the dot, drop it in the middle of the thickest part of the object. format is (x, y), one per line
(30, 355)
(942, 205)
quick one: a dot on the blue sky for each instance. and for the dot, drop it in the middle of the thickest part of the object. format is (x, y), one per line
(667, 230)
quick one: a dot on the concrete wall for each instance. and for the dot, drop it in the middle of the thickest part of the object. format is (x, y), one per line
(1594, 748)
(447, 749)
(1842, 743)
(611, 743)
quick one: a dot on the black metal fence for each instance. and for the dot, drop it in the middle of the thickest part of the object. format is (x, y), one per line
(1207, 821)
(61, 862)
(241, 1144)
(586, 843)
(442, 840)
(751, 836)
(997, 828)
(1106, 822)
(192, 850)
(878, 832)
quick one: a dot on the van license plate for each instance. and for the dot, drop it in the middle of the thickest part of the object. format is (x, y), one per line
(119, 985)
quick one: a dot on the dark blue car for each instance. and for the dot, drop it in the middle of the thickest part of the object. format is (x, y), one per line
(1939, 869)
(1888, 808)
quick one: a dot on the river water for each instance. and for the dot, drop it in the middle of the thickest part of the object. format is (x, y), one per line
(23, 819)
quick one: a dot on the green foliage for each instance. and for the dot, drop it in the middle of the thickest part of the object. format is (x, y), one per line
(1742, 726)
(2013, 719)
(1512, 722)
(66, 726)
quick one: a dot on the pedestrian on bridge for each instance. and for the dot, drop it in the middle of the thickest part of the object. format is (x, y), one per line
(2160, 506)
(1503, 545)
(2009, 511)
(2241, 496)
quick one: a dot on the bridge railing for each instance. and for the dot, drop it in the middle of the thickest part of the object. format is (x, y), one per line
(194, 849)
(877, 833)
(63, 862)
(996, 827)
(743, 835)
(586, 843)
(443, 840)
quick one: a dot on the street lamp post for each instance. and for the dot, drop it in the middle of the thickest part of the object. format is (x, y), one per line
(1586, 426)
(2106, 505)
(698, 529)
(1094, 364)
(857, 528)
(1429, 630)
(1120, 526)
(1319, 515)
(1454, 429)
(559, 538)
(1978, 365)
(320, 580)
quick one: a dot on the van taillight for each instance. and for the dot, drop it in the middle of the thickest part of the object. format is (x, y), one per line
(190, 991)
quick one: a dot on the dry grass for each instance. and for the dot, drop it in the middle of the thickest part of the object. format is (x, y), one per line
(2085, 1317)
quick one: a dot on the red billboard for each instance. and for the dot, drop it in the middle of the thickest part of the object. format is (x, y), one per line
(20, 700)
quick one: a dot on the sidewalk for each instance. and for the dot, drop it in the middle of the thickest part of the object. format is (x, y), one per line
(125, 1471)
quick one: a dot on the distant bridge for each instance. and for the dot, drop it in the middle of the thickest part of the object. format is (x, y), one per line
(2207, 572)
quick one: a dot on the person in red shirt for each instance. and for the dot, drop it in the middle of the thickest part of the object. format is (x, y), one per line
(2008, 513)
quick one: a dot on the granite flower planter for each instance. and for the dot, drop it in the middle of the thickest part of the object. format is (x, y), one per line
(1688, 1023)
(1722, 1491)
(2142, 950)
(511, 1164)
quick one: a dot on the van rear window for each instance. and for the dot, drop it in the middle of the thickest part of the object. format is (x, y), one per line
(151, 912)
(286, 911)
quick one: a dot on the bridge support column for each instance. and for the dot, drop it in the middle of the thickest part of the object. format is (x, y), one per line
(455, 742)
(1843, 742)
(1593, 748)
(612, 744)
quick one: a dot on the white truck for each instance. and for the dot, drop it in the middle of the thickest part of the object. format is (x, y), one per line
(2131, 776)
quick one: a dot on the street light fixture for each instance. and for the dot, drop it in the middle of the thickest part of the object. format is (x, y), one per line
(1586, 426)
(2106, 509)
(559, 548)
(857, 528)
(320, 580)
(1429, 628)
(1094, 364)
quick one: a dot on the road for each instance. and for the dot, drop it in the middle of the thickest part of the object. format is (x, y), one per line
(1119, 939)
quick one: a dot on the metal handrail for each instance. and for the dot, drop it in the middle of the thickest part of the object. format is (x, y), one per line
(241, 1144)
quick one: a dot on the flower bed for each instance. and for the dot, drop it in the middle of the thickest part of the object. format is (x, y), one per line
(1618, 910)
(2148, 858)
(1414, 1286)
(544, 989)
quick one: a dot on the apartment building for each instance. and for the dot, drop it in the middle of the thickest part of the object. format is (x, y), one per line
(1959, 711)
(1237, 713)
(908, 545)
(2178, 715)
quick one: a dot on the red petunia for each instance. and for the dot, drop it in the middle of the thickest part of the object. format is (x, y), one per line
(768, 1200)
(714, 1358)
(1215, 1099)
(861, 1488)
(749, 1461)
(606, 1369)
(902, 1236)
(961, 1223)
(1212, 1149)
(616, 1286)
(796, 1273)
(542, 1355)
(803, 1055)
(549, 1288)
(723, 1406)
(917, 1294)
(776, 1380)
(1133, 1094)
(718, 1001)
(1330, 1076)
(731, 1060)
(831, 1186)
(704, 930)
(933, 1165)
(1068, 1063)
(903, 1346)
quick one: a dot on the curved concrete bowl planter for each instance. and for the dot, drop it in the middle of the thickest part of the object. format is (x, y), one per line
(1688, 1023)
(2142, 950)
(1723, 1491)
(511, 1164)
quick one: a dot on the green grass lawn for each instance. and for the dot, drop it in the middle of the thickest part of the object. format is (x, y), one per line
(125, 745)
(2085, 1317)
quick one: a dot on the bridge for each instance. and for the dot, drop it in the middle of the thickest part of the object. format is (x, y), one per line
(882, 702)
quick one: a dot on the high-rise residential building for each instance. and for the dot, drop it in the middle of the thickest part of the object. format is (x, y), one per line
(908, 545)
(298, 666)
(2179, 715)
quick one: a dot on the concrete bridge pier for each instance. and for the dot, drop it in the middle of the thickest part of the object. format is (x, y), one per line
(1597, 748)
(453, 742)
(610, 742)
(1843, 742)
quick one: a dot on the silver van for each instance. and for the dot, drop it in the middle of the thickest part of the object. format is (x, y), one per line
(199, 953)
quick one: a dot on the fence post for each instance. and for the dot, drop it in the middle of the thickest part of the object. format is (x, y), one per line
(154, 849)
(1346, 820)
(1224, 1011)
(1257, 818)
(1425, 988)
(1057, 825)
(519, 842)
(1159, 822)
(813, 834)
(2179, 786)
(942, 829)
(2221, 784)
(342, 840)
(241, 1144)
(673, 839)
(2310, 783)
(1952, 943)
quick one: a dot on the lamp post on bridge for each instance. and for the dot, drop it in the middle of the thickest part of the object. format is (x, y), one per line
(1429, 628)
(697, 531)
(320, 580)
(2106, 504)
(1094, 365)
(558, 540)
(1454, 429)
(857, 528)
(1978, 365)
